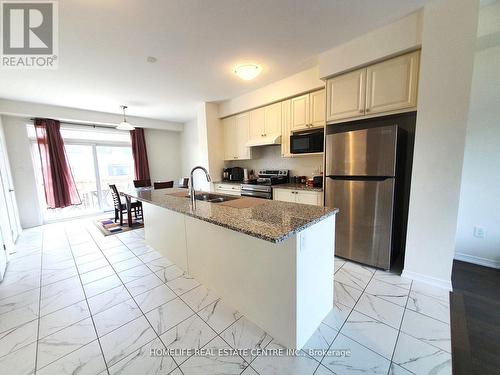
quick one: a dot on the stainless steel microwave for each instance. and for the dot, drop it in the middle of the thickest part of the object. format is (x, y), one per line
(307, 142)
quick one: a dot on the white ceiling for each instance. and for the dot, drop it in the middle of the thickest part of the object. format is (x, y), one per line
(104, 45)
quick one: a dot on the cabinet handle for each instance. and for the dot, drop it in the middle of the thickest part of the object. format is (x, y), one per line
(361, 111)
(367, 109)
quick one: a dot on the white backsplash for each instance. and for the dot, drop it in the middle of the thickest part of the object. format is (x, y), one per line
(269, 157)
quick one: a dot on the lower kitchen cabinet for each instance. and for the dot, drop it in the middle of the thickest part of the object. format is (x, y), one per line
(298, 196)
(226, 188)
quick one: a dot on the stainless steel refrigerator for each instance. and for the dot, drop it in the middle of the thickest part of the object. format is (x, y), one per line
(360, 181)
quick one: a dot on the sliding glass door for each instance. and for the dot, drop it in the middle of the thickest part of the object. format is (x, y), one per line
(82, 163)
(116, 167)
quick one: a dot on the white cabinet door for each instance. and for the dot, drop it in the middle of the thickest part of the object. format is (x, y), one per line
(224, 188)
(272, 119)
(346, 95)
(242, 136)
(309, 197)
(285, 129)
(318, 108)
(392, 85)
(257, 124)
(284, 195)
(314, 198)
(229, 125)
(299, 113)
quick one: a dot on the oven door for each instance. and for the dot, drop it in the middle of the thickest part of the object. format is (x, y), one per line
(257, 191)
(306, 143)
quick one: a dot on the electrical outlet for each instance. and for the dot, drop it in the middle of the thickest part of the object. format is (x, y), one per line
(479, 232)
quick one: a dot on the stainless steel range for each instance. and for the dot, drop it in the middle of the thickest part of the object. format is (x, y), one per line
(262, 186)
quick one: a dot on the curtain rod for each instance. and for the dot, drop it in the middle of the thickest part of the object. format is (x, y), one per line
(82, 124)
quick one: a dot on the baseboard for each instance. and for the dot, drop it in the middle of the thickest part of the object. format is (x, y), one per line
(477, 260)
(440, 283)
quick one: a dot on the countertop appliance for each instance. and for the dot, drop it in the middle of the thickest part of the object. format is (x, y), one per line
(262, 187)
(226, 174)
(318, 181)
(360, 182)
(307, 142)
(236, 174)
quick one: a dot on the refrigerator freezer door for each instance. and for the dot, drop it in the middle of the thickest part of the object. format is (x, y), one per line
(364, 222)
(368, 152)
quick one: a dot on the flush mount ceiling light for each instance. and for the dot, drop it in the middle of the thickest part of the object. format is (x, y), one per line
(124, 125)
(247, 71)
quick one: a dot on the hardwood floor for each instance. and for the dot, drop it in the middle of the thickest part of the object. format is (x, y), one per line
(475, 319)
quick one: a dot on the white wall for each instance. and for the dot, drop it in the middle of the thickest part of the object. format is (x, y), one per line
(215, 141)
(395, 38)
(270, 157)
(202, 144)
(23, 173)
(191, 155)
(164, 154)
(480, 191)
(296, 84)
(448, 41)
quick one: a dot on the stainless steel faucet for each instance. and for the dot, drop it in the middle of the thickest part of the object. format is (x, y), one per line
(191, 184)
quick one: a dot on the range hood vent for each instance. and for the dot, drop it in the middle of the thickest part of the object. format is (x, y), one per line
(265, 141)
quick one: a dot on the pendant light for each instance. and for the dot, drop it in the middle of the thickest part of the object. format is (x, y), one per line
(124, 125)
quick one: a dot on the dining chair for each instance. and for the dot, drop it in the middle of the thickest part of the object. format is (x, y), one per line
(163, 184)
(184, 182)
(142, 183)
(120, 207)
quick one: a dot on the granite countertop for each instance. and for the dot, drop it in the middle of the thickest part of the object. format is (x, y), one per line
(269, 220)
(297, 187)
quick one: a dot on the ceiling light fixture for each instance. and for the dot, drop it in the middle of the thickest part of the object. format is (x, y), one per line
(124, 125)
(247, 71)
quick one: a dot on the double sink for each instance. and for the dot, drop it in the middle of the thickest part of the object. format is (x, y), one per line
(213, 198)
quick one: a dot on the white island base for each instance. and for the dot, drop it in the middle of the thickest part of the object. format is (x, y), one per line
(285, 288)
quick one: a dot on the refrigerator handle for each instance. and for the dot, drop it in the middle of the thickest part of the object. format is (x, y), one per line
(360, 178)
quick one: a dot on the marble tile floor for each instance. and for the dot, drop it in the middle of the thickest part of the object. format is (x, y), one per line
(76, 302)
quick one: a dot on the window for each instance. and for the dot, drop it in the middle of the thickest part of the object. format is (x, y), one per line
(98, 157)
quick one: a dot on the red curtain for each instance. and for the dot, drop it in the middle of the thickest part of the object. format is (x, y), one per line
(59, 185)
(141, 166)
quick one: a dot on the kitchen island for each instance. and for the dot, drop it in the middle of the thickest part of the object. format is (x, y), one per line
(273, 261)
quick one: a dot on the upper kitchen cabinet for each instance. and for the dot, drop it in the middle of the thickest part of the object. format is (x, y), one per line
(257, 124)
(265, 125)
(229, 125)
(242, 136)
(317, 101)
(272, 120)
(299, 112)
(346, 95)
(236, 136)
(387, 87)
(308, 111)
(392, 84)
